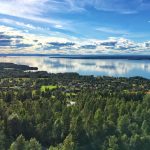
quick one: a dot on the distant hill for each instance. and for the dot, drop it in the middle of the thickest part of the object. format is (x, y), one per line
(129, 57)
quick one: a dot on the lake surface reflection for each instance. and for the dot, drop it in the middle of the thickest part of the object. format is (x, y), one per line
(108, 67)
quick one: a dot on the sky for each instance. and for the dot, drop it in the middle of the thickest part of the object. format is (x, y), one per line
(75, 27)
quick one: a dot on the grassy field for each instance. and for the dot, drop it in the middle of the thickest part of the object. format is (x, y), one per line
(50, 87)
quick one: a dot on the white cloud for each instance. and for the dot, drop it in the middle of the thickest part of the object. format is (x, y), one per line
(33, 10)
(36, 9)
(16, 23)
(16, 41)
(112, 31)
(23, 7)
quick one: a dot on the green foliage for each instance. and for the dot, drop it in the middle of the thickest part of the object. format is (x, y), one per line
(22, 144)
(69, 144)
(107, 113)
(3, 139)
(113, 143)
(33, 144)
(19, 144)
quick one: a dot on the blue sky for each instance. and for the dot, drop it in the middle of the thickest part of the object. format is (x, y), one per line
(75, 26)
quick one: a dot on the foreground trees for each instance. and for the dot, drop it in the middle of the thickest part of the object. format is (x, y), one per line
(35, 124)
(21, 144)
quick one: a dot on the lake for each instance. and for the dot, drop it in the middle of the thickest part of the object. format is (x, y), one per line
(96, 67)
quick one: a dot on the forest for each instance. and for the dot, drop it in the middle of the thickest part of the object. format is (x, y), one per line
(67, 111)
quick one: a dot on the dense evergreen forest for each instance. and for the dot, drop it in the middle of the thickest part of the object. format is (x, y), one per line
(42, 111)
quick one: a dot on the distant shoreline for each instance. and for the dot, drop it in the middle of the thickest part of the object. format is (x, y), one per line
(104, 57)
(128, 57)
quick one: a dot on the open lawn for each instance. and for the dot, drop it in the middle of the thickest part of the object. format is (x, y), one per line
(50, 87)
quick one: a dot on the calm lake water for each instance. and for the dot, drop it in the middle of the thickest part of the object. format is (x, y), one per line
(117, 68)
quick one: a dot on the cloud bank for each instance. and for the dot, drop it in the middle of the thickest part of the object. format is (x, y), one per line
(14, 41)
